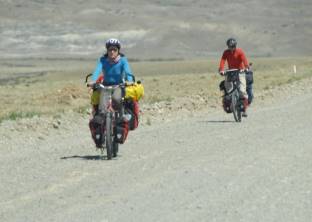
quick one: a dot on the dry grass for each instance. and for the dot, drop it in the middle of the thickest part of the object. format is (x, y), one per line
(41, 87)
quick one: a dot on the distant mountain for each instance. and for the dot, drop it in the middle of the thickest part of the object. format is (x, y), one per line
(154, 29)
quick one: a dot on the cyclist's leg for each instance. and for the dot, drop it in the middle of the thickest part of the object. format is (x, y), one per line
(250, 93)
(103, 101)
(242, 89)
(122, 127)
(228, 85)
(117, 98)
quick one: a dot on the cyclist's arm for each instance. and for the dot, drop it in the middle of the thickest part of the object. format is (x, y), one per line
(222, 62)
(97, 71)
(129, 77)
(244, 60)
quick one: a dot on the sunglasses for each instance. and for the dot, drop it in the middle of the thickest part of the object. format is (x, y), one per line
(113, 49)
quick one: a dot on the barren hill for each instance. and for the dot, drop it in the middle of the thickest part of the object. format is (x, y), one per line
(154, 28)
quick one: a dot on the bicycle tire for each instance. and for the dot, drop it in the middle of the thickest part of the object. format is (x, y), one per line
(108, 135)
(235, 106)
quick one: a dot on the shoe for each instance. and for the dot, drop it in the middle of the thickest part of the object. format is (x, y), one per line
(244, 114)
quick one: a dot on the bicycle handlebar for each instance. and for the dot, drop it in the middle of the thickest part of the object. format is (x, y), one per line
(87, 77)
(110, 86)
(235, 70)
(93, 84)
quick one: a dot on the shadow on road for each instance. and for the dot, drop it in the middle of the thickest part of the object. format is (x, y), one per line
(94, 157)
(218, 121)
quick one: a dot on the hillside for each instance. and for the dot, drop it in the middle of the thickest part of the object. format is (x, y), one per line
(154, 28)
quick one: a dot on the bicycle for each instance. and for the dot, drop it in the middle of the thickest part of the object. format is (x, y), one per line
(237, 106)
(106, 119)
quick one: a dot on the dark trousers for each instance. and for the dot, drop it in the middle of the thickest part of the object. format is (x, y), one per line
(250, 93)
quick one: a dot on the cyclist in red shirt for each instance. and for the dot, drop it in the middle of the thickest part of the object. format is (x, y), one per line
(236, 59)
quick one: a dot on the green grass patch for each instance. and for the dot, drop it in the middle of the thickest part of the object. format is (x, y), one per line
(19, 115)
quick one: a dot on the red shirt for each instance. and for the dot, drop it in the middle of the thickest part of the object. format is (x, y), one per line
(236, 59)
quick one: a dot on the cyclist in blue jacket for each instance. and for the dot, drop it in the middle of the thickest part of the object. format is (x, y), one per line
(113, 65)
(112, 69)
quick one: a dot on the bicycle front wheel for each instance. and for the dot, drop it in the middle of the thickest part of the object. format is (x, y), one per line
(235, 106)
(109, 136)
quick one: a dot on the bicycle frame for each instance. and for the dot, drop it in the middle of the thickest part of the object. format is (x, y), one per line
(232, 76)
(107, 116)
(106, 103)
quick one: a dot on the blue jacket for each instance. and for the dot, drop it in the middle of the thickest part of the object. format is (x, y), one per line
(114, 73)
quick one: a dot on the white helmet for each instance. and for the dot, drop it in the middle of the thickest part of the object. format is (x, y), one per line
(113, 42)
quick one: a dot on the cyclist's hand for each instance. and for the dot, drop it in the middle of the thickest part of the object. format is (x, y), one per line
(221, 73)
(128, 83)
(90, 84)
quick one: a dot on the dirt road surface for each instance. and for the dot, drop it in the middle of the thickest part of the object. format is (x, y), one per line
(204, 168)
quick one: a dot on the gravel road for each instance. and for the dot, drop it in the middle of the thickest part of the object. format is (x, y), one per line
(202, 168)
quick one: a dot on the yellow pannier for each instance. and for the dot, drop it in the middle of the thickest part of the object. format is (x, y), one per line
(134, 91)
(95, 97)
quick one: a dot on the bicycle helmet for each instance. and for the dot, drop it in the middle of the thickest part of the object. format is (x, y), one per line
(231, 43)
(113, 42)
